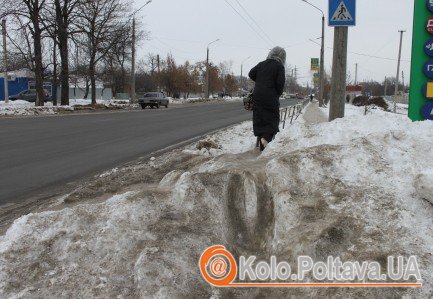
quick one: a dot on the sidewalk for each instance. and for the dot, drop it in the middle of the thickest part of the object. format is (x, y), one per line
(314, 115)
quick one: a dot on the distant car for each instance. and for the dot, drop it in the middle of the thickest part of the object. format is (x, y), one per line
(153, 99)
(29, 95)
(299, 96)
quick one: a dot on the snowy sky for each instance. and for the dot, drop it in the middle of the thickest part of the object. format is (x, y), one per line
(185, 27)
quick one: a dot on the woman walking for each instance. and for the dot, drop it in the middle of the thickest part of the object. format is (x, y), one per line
(270, 78)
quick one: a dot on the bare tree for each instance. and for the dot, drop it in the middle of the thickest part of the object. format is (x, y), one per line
(102, 24)
(31, 10)
(59, 18)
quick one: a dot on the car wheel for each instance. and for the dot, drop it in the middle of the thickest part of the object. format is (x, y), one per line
(157, 106)
(166, 106)
(143, 106)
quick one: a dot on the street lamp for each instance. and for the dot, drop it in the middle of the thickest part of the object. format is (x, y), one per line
(322, 55)
(133, 95)
(207, 68)
(242, 78)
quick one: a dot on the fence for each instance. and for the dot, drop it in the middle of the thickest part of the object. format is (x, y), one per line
(291, 112)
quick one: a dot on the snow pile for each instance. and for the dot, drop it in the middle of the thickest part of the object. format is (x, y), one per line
(20, 107)
(234, 140)
(357, 188)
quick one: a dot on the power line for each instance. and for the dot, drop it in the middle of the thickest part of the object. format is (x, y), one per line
(365, 55)
(246, 21)
(254, 21)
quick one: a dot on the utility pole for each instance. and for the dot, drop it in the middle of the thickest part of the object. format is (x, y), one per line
(402, 79)
(5, 62)
(339, 68)
(322, 56)
(207, 73)
(242, 78)
(386, 85)
(159, 73)
(356, 74)
(133, 97)
(322, 65)
(398, 70)
(207, 68)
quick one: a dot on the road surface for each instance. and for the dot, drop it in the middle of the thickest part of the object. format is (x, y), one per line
(39, 153)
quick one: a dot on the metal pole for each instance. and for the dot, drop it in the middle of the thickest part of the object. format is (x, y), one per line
(356, 74)
(322, 65)
(159, 73)
(207, 68)
(207, 74)
(133, 97)
(398, 70)
(386, 85)
(339, 68)
(242, 80)
(5, 62)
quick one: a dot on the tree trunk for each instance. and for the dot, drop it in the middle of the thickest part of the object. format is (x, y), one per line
(62, 37)
(92, 81)
(54, 89)
(64, 75)
(38, 61)
(86, 91)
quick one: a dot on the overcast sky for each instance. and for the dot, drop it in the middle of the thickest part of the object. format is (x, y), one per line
(185, 27)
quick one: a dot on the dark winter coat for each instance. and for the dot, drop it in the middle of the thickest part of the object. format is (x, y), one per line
(270, 78)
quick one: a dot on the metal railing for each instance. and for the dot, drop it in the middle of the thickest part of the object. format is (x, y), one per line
(291, 112)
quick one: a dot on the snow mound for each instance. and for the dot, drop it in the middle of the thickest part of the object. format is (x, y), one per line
(424, 185)
(350, 188)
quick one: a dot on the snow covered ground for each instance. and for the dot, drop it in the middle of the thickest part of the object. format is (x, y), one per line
(20, 107)
(359, 188)
(195, 100)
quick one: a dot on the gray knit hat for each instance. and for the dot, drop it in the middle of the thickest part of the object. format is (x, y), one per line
(278, 54)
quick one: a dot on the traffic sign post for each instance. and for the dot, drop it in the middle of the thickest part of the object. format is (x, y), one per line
(342, 13)
(422, 61)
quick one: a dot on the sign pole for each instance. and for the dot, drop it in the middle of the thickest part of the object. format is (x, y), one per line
(339, 68)
(342, 13)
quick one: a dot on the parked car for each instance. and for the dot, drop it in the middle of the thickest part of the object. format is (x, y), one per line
(153, 99)
(29, 95)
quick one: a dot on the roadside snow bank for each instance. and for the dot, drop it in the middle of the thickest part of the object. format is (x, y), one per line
(350, 189)
(23, 108)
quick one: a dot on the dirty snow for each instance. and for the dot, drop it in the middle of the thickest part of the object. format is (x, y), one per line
(358, 188)
(22, 108)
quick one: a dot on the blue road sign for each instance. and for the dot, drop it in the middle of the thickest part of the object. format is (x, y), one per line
(428, 69)
(342, 13)
(428, 47)
(427, 110)
(430, 5)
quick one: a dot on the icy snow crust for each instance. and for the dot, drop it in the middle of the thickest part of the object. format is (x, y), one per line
(357, 188)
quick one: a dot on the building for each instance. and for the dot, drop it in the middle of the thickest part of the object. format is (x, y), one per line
(352, 91)
(19, 81)
(25, 79)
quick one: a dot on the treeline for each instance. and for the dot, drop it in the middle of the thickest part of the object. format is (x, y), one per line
(85, 41)
(65, 39)
(181, 80)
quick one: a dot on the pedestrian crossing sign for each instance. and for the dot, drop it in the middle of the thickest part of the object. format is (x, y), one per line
(342, 13)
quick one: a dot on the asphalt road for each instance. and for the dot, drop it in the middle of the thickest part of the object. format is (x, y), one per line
(38, 153)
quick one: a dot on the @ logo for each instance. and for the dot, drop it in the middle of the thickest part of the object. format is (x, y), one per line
(217, 266)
